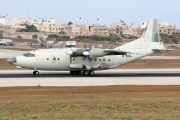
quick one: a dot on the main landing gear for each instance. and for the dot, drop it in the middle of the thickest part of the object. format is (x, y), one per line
(75, 72)
(85, 72)
(35, 72)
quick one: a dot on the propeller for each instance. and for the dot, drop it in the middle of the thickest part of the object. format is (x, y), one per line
(71, 54)
(79, 52)
(86, 53)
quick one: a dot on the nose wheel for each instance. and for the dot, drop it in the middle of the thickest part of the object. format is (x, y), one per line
(35, 72)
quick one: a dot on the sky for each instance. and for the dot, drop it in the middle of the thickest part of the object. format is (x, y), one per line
(110, 11)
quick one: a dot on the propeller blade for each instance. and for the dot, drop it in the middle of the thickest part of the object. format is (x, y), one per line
(70, 59)
(85, 47)
(89, 58)
(90, 48)
(84, 57)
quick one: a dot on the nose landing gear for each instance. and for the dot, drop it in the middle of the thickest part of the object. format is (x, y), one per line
(35, 72)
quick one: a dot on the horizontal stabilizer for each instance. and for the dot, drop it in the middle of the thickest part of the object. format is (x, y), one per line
(162, 50)
(117, 52)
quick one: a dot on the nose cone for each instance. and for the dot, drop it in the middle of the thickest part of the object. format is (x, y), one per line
(12, 60)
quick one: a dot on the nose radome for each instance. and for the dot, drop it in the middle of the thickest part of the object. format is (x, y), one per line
(12, 60)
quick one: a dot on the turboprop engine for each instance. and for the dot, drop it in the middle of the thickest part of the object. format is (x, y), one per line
(95, 53)
(87, 53)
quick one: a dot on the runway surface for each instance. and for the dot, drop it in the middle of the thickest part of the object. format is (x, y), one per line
(10, 53)
(101, 78)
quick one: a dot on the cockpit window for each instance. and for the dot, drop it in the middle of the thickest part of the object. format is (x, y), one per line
(29, 55)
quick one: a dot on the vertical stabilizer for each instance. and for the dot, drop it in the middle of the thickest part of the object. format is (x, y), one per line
(149, 40)
(151, 32)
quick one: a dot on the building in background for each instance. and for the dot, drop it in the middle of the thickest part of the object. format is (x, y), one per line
(51, 25)
(167, 28)
(45, 25)
(5, 20)
(164, 28)
(74, 29)
(101, 30)
(5, 25)
(20, 22)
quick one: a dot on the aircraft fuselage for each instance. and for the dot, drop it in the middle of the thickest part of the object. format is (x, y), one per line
(58, 60)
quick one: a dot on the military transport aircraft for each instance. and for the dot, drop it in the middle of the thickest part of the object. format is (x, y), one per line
(84, 61)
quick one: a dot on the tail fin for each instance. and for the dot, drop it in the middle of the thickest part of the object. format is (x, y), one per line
(149, 40)
(151, 32)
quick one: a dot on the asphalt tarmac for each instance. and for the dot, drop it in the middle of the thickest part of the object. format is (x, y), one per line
(10, 53)
(101, 78)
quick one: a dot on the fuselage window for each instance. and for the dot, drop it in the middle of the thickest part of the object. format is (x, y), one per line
(58, 59)
(47, 58)
(109, 60)
(99, 59)
(73, 59)
(54, 58)
(95, 59)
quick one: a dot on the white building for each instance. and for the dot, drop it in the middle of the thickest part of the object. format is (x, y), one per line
(4, 21)
(20, 22)
(75, 30)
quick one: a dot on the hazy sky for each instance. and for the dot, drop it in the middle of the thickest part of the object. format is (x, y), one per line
(110, 11)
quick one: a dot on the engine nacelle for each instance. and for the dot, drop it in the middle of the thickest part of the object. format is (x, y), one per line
(78, 52)
(97, 53)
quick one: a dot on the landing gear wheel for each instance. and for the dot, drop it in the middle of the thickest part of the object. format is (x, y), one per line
(91, 73)
(71, 72)
(86, 73)
(35, 72)
(75, 73)
(78, 73)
